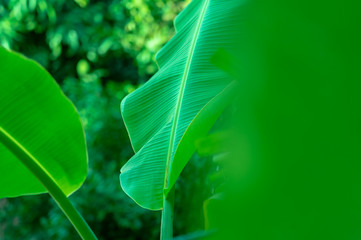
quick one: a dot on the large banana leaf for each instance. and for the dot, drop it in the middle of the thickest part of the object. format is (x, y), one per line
(158, 114)
(41, 136)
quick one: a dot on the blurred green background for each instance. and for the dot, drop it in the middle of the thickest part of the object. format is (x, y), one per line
(98, 51)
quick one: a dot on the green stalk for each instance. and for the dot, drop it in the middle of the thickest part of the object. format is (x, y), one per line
(49, 183)
(166, 230)
(168, 201)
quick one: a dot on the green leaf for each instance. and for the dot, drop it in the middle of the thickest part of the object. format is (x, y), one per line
(41, 137)
(158, 114)
(198, 129)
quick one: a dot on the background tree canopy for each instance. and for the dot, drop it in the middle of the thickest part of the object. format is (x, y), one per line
(98, 51)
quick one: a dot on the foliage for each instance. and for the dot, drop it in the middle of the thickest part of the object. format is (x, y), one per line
(292, 168)
(96, 80)
(42, 140)
(179, 104)
(185, 83)
(40, 131)
(120, 37)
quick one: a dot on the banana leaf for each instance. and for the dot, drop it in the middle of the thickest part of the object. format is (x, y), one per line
(187, 87)
(41, 136)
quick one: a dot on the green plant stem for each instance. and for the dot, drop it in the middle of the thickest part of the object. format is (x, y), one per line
(166, 230)
(49, 183)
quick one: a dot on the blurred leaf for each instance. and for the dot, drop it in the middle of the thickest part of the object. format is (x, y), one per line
(82, 67)
(82, 3)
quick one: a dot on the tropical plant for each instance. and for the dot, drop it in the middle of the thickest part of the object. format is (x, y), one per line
(46, 148)
(42, 143)
(98, 52)
(178, 104)
(294, 149)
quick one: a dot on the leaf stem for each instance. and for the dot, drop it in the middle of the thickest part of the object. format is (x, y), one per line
(166, 230)
(168, 198)
(49, 183)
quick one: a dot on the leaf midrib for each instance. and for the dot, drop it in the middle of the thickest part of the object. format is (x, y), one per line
(46, 179)
(25, 157)
(181, 93)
